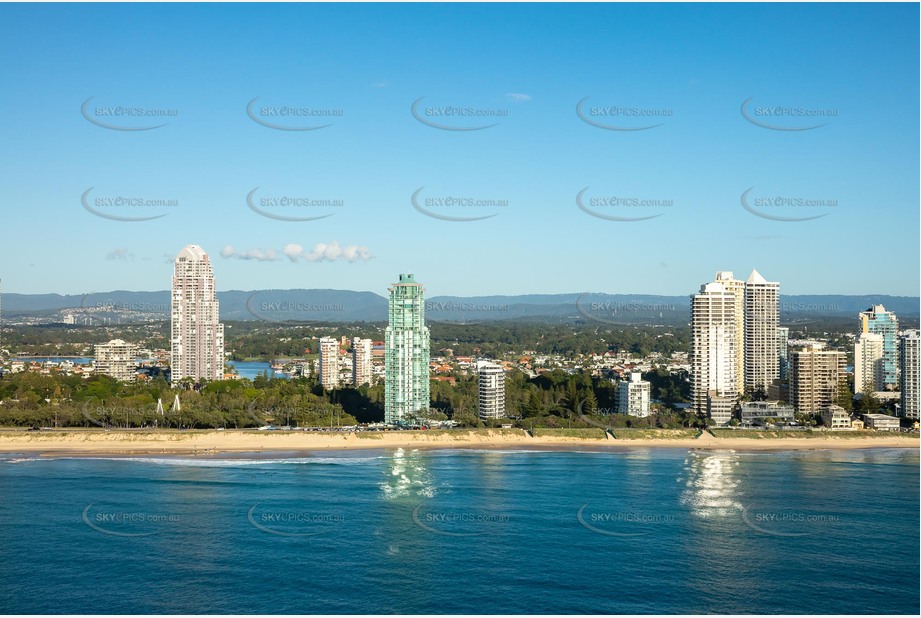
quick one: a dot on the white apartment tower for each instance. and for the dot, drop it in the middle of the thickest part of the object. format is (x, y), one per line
(329, 362)
(491, 390)
(910, 376)
(868, 363)
(633, 396)
(713, 345)
(361, 361)
(762, 317)
(196, 334)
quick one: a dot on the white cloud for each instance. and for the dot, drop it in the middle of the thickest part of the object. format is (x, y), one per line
(327, 252)
(260, 255)
(121, 253)
(517, 96)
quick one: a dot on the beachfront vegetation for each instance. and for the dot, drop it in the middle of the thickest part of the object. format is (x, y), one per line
(554, 399)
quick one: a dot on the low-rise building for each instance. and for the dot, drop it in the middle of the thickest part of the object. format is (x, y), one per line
(759, 410)
(836, 417)
(882, 422)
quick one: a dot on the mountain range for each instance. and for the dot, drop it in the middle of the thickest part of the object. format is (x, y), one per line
(350, 306)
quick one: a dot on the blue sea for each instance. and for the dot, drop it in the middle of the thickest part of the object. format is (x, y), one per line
(463, 531)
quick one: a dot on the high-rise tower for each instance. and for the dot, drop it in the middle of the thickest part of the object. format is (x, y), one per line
(877, 320)
(737, 289)
(910, 373)
(196, 335)
(329, 362)
(361, 361)
(406, 352)
(868, 363)
(713, 346)
(762, 317)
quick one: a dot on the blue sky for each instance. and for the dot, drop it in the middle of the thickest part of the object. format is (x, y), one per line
(687, 68)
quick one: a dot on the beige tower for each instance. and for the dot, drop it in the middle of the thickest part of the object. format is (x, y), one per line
(196, 334)
(737, 288)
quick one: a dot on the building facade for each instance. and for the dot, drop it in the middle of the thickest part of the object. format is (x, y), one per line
(877, 320)
(328, 364)
(633, 396)
(736, 287)
(752, 411)
(713, 345)
(910, 374)
(868, 363)
(116, 359)
(836, 417)
(490, 390)
(762, 318)
(361, 361)
(815, 377)
(196, 333)
(720, 409)
(783, 345)
(881, 422)
(406, 356)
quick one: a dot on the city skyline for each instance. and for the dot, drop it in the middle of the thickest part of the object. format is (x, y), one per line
(709, 167)
(245, 317)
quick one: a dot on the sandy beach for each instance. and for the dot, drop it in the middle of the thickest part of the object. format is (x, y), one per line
(205, 442)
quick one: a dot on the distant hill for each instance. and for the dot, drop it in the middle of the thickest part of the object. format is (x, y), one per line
(351, 306)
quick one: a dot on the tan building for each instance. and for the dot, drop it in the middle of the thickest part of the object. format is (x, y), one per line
(815, 377)
(117, 359)
(361, 361)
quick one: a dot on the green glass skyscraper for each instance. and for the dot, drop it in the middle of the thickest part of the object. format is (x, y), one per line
(406, 360)
(877, 320)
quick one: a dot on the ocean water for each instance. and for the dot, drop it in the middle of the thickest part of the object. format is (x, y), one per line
(463, 531)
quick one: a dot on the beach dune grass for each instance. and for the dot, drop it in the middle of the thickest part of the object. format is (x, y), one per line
(655, 434)
(590, 433)
(756, 434)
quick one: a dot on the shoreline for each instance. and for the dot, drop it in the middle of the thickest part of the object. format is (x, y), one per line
(205, 443)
